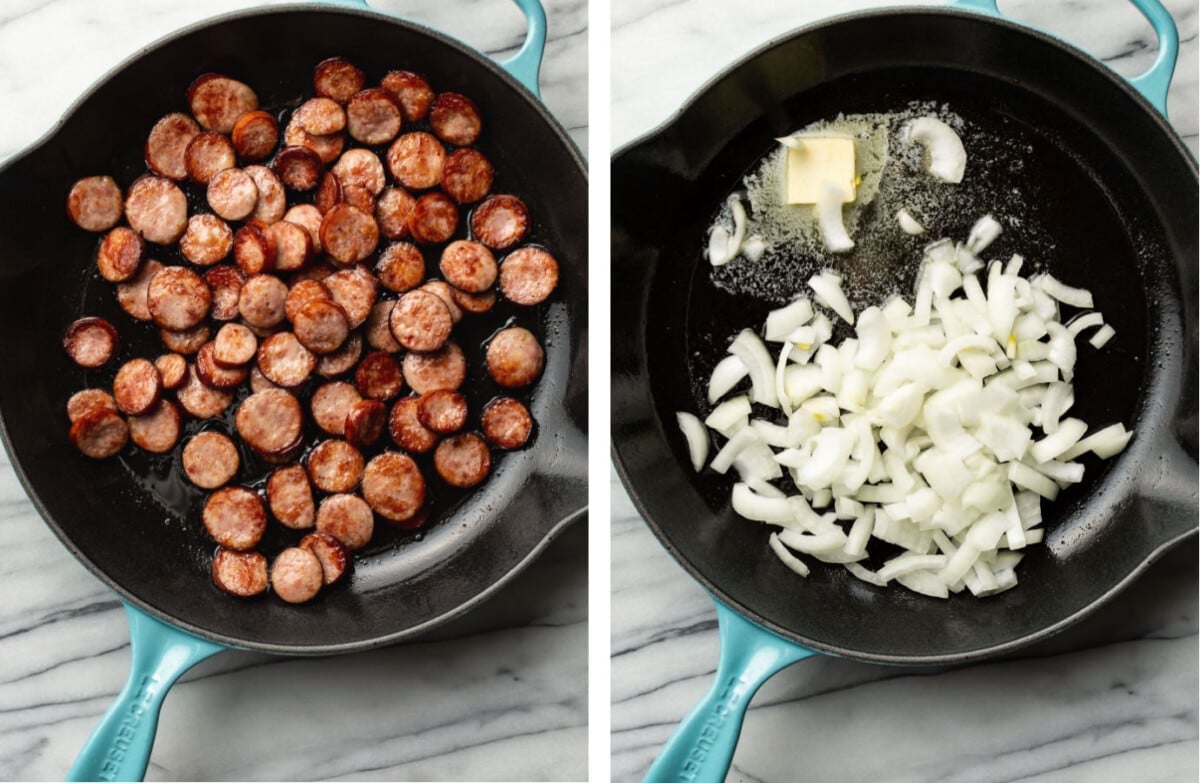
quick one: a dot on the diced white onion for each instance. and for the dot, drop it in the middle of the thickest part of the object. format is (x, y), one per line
(1076, 297)
(908, 223)
(696, 437)
(1084, 321)
(729, 416)
(982, 234)
(785, 320)
(828, 288)
(748, 347)
(830, 198)
(1102, 336)
(947, 156)
(727, 374)
(789, 560)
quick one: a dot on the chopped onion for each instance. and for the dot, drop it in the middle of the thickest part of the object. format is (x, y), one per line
(789, 560)
(830, 198)
(908, 223)
(754, 248)
(1104, 443)
(786, 320)
(696, 437)
(1102, 336)
(723, 246)
(737, 443)
(1076, 297)
(1084, 321)
(729, 416)
(947, 157)
(727, 374)
(828, 288)
(748, 347)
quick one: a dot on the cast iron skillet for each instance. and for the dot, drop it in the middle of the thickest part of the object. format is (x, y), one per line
(135, 525)
(1107, 181)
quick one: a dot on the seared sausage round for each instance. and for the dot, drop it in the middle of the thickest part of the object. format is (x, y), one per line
(254, 248)
(261, 301)
(133, 293)
(420, 321)
(442, 411)
(298, 168)
(362, 168)
(300, 294)
(185, 341)
(309, 218)
(468, 266)
(433, 219)
(137, 386)
(90, 342)
(393, 486)
(207, 240)
(321, 116)
(296, 575)
(343, 359)
(329, 192)
(360, 198)
(528, 276)
(514, 357)
(241, 574)
(331, 404)
(442, 369)
(234, 346)
(507, 423)
(406, 428)
(474, 303)
(234, 518)
(355, 292)
(226, 283)
(337, 78)
(218, 101)
(272, 200)
(327, 148)
(410, 91)
(199, 400)
(467, 175)
(284, 360)
(232, 194)
(255, 134)
(173, 369)
(462, 460)
(99, 433)
(333, 556)
(379, 330)
(321, 326)
(500, 221)
(158, 429)
(157, 209)
(293, 246)
(400, 267)
(348, 234)
(455, 119)
(372, 117)
(95, 204)
(207, 155)
(120, 254)
(166, 146)
(291, 499)
(210, 460)
(348, 519)
(444, 291)
(365, 422)
(89, 399)
(214, 374)
(178, 298)
(270, 421)
(378, 376)
(335, 466)
(416, 160)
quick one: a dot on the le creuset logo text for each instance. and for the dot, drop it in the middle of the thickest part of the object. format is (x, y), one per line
(141, 701)
(731, 693)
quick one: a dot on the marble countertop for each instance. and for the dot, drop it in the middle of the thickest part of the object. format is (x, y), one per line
(500, 694)
(1113, 699)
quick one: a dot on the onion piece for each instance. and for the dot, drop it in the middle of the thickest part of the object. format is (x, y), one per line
(754, 248)
(786, 320)
(828, 289)
(791, 561)
(1084, 321)
(830, 198)
(737, 443)
(727, 374)
(1102, 336)
(745, 501)
(982, 234)
(696, 437)
(748, 347)
(908, 223)
(1067, 435)
(1105, 443)
(1076, 297)
(947, 157)
(866, 575)
(729, 416)
(723, 246)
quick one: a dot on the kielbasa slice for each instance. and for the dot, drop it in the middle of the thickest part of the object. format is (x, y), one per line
(207, 155)
(378, 376)
(321, 116)
(515, 357)
(455, 119)
(468, 266)
(296, 575)
(329, 192)
(462, 460)
(327, 148)
(528, 276)
(321, 326)
(365, 422)
(335, 466)
(442, 411)
(333, 556)
(254, 248)
(474, 303)
(210, 460)
(89, 399)
(360, 198)
(400, 267)
(158, 429)
(166, 147)
(132, 295)
(178, 298)
(217, 102)
(337, 78)
(120, 254)
(372, 117)
(420, 321)
(416, 160)
(272, 199)
(392, 210)
(410, 91)
(506, 423)
(298, 168)
(240, 574)
(261, 301)
(293, 246)
(99, 433)
(215, 375)
(90, 342)
(234, 345)
(343, 359)
(200, 400)
(300, 294)
(207, 240)
(309, 218)
(137, 386)
(284, 361)
(232, 194)
(355, 292)
(157, 209)
(467, 175)
(226, 283)
(270, 421)
(255, 135)
(393, 486)
(185, 341)
(173, 369)
(290, 498)
(348, 234)
(95, 203)
(444, 291)
(379, 330)
(500, 221)
(331, 404)
(443, 369)
(234, 517)
(433, 219)
(258, 381)
(406, 428)
(347, 518)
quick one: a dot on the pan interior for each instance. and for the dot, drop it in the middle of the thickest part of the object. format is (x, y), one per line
(135, 520)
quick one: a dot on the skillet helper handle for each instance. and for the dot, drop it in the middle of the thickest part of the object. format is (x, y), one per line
(1156, 81)
(119, 747)
(701, 749)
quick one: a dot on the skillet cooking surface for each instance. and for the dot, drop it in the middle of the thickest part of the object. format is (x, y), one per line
(137, 523)
(1108, 203)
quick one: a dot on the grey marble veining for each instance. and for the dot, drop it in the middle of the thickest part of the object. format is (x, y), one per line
(1112, 700)
(500, 694)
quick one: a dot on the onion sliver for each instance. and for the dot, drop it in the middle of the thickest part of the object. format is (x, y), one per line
(785, 320)
(830, 198)
(947, 156)
(727, 374)
(1076, 297)
(828, 288)
(789, 560)
(696, 437)
(908, 223)
(748, 347)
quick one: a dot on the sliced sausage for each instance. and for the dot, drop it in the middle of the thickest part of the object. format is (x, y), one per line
(321, 326)
(348, 234)
(234, 345)
(433, 219)
(241, 574)
(254, 248)
(296, 575)
(178, 298)
(462, 460)
(309, 218)
(261, 301)
(173, 369)
(218, 101)
(207, 155)
(420, 321)
(327, 148)
(333, 556)
(444, 369)
(416, 160)
(166, 147)
(90, 399)
(321, 116)
(157, 209)
(269, 421)
(372, 117)
(120, 254)
(158, 429)
(232, 194)
(210, 460)
(348, 519)
(329, 192)
(213, 374)
(378, 328)
(474, 303)
(95, 203)
(360, 198)
(467, 175)
(90, 342)
(528, 276)
(272, 200)
(293, 246)
(99, 433)
(335, 466)
(442, 411)
(378, 376)
(455, 119)
(468, 266)
(392, 210)
(400, 267)
(300, 294)
(355, 291)
(500, 221)
(207, 240)
(343, 359)
(365, 422)
(137, 386)
(290, 498)
(255, 135)
(331, 404)
(507, 423)
(226, 283)
(337, 78)
(514, 357)
(362, 168)
(185, 341)
(406, 428)
(444, 291)
(132, 295)
(234, 517)
(393, 486)
(410, 91)
(199, 400)
(284, 360)
(258, 381)
(298, 168)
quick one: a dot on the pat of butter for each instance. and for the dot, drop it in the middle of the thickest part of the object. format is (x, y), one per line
(820, 159)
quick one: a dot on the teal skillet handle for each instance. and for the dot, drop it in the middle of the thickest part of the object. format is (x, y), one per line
(1154, 83)
(119, 748)
(701, 749)
(527, 62)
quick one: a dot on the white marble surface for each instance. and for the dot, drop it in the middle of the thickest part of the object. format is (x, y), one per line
(1113, 700)
(498, 695)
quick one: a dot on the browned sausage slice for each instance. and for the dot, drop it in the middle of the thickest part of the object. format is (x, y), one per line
(218, 101)
(199, 400)
(258, 381)
(321, 116)
(365, 422)
(173, 369)
(433, 219)
(213, 374)
(157, 209)
(234, 345)
(226, 282)
(95, 204)
(462, 460)
(255, 134)
(392, 210)
(416, 160)
(379, 330)
(329, 192)
(89, 399)
(261, 301)
(272, 200)
(166, 146)
(137, 386)
(321, 326)
(444, 291)
(348, 519)
(507, 423)
(360, 198)
(407, 430)
(500, 222)
(421, 321)
(326, 147)
(355, 291)
(474, 303)
(528, 276)
(158, 429)
(270, 421)
(120, 254)
(296, 575)
(207, 240)
(133, 293)
(210, 460)
(298, 168)
(455, 119)
(343, 359)
(444, 369)
(467, 176)
(284, 360)
(234, 517)
(393, 486)
(90, 342)
(99, 433)
(333, 556)
(514, 357)
(290, 497)
(207, 155)
(293, 246)
(335, 466)
(178, 298)
(300, 294)
(348, 234)
(331, 404)
(400, 267)
(309, 218)
(232, 194)
(468, 266)
(410, 91)
(372, 117)
(378, 376)
(361, 168)
(254, 248)
(337, 78)
(442, 411)
(241, 574)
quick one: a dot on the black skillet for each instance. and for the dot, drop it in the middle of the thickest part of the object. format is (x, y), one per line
(1111, 203)
(131, 520)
